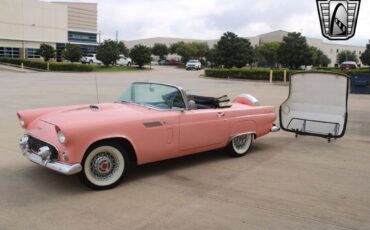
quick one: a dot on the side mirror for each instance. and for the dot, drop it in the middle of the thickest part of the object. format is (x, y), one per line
(192, 105)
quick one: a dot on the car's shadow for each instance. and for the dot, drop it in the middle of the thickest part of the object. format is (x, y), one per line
(54, 183)
(258, 153)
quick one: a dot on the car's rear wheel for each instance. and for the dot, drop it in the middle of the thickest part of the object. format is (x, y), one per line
(91, 62)
(104, 166)
(129, 64)
(240, 145)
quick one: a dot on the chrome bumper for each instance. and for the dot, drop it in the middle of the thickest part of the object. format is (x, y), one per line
(42, 157)
(274, 129)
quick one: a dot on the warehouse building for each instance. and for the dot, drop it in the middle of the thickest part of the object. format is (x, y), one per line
(25, 24)
(330, 49)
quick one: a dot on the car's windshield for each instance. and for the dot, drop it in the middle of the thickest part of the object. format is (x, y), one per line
(193, 61)
(154, 95)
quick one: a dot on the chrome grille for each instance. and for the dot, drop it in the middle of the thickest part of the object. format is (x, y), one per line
(35, 144)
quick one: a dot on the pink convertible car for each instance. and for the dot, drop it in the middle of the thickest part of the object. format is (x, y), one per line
(149, 122)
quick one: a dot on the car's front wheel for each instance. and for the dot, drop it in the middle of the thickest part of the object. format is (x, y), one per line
(240, 145)
(104, 166)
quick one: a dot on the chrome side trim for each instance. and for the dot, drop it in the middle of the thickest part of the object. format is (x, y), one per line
(152, 124)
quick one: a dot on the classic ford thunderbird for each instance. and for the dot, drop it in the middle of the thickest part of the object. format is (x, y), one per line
(149, 122)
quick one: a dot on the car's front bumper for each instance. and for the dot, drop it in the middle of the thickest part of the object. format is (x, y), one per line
(42, 157)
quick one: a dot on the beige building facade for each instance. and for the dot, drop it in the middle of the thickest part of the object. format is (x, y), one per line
(26, 24)
(330, 49)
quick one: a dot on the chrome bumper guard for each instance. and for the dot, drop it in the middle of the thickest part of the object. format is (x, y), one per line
(42, 157)
(274, 129)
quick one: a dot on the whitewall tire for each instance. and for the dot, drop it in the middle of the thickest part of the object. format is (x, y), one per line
(240, 145)
(104, 166)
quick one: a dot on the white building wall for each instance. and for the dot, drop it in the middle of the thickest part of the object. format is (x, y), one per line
(82, 16)
(32, 20)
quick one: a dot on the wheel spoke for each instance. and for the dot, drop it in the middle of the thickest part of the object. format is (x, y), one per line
(103, 166)
(241, 143)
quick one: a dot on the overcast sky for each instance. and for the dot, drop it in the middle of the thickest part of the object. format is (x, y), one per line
(209, 19)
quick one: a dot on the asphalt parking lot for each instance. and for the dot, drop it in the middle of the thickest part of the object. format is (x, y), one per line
(283, 183)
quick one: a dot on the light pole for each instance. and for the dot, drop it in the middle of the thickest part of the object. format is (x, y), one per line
(99, 34)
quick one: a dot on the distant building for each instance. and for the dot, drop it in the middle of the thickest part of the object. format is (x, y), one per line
(330, 49)
(25, 24)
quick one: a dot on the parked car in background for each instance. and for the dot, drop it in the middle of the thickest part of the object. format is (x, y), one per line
(90, 59)
(124, 61)
(347, 65)
(173, 62)
(193, 64)
(150, 122)
(154, 63)
(162, 62)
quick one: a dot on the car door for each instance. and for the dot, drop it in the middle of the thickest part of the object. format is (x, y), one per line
(203, 129)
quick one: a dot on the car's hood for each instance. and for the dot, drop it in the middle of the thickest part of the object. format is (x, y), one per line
(93, 114)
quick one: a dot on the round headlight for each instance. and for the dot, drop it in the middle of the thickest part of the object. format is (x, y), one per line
(61, 137)
(21, 122)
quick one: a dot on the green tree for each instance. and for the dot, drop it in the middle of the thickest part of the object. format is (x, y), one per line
(319, 58)
(160, 50)
(234, 51)
(72, 53)
(174, 46)
(294, 51)
(365, 56)
(108, 52)
(201, 48)
(123, 49)
(211, 56)
(141, 55)
(267, 53)
(47, 51)
(186, 51)
(347, 55)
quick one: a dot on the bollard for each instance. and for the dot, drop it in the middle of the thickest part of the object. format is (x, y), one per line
(271, 74)
(284, 75)
(47, 66)
(22, 68)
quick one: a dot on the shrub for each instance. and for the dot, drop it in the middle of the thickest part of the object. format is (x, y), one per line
(70, 67)
(338, 70)
(27, 63)
(264, 74)
(52, 66)
(250, 74)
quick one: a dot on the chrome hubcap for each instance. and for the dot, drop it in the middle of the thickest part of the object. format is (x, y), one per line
(103, 166)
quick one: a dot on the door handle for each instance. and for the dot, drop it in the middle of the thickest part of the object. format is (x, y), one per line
(220, 114)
